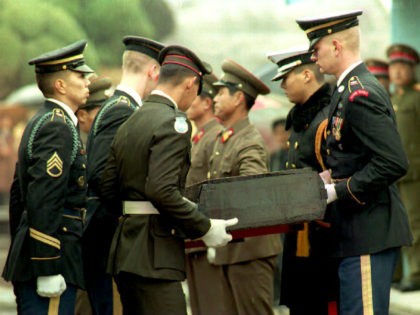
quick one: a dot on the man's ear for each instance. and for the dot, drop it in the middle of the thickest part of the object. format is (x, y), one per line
(307, 75)
(81, 115)
(153, 72)
(190, 82)
(209, 103)
(60, 86)
(239, 97)
(338, 47)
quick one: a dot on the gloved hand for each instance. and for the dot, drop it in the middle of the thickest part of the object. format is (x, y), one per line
(326, 177)
(216, 236)
(211, 255)
(50, 286)
(332, 194)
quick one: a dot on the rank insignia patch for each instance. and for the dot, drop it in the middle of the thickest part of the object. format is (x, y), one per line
(54, 166)
(181, 125)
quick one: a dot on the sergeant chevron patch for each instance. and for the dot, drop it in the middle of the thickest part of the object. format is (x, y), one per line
(54, 165)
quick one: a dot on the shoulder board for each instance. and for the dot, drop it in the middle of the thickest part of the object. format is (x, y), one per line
(122, 100)
(55, 115)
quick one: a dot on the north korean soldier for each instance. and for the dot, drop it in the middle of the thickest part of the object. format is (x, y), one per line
(49, 192)
(309, 277)
(98, 94)
(380, 69)
(403, 60)
(201, 113)
(145, 173)
(365, 157)
(140, 70)
(244, 269)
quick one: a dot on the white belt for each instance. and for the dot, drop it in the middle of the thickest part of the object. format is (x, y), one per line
(139, 207)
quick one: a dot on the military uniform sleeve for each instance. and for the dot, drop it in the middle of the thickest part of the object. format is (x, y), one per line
(168, 156)
(48, 181)
(374, 125)
(109, 183)
(252, 160)
(101, 141)
(16, 206)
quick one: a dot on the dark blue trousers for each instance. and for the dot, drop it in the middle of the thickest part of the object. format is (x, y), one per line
(30, 303)
(365, 283)
(99, 290)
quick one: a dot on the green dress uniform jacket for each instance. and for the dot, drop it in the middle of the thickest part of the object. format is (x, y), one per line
(239, 151)
(202, 148)
(149, 161)
(101, 223)
(48, 200)
(366, 157)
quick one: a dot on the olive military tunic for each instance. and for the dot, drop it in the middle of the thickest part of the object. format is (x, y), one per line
(365, 156)
(149, 161)
(407, 109)
(48, 200)
(240, 151)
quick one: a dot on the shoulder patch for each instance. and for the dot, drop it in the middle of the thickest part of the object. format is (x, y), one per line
(181, 125)
(354, 84)
(357, 93)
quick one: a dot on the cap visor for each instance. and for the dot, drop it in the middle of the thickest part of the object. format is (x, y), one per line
(83, 68)
(313, 43)
(219, 83)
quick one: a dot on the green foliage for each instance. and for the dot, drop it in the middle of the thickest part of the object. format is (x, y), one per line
(160, 16)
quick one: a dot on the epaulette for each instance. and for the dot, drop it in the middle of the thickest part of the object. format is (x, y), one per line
(356, 88)
(55, 115)
(123, 100)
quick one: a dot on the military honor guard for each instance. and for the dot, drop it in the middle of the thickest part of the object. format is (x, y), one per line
(403, 60)
(140, 70)
(365, 157)
(48, 199)
(309, 276)
(145, 175)
(244, 270)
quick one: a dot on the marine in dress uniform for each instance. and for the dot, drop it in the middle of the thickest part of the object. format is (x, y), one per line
(379, 68)
(365, 157)
(201, 113)
(139, 60)
(146, 172)
(246, 268)
(309, 277)
(48, 198)
(406, 101)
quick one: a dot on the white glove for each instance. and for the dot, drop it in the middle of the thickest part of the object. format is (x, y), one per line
(50, 286)
(332, 194)
(216, 236)
(211, 255)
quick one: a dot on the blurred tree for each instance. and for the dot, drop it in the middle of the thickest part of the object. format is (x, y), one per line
(27, 29)
(161, 16)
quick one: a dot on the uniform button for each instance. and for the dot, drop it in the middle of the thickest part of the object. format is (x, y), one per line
(214, 172)
(217, 153)
(293, 165)
(328, 132)
(296, 145)
(288, 144)
(84, 166)
(287, 164)
(208, 175)
(64, 229)
(173, 232)
(328, 151)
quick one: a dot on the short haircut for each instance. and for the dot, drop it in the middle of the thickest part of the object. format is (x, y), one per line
(175, 75)
(249, 100)
(45, 81)
(319, 77)
(134, 62)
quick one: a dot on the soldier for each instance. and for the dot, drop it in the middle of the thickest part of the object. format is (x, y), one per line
(140, 70)
(98, 94)
(309, 278)
(146, 172)
(49, 192)
(201, 113)
(406, 100)
(365, 157)
(379, 68)
(244, 269)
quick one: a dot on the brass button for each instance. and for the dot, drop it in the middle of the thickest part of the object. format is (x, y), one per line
(81, 181)
(328, 132)
(84, 166)
(65, 229)
(173, 232)
(288, 144)
(217, 153)
(296, 145)
(328, 151)
(287, 164)
(208, 175)
(293, 165)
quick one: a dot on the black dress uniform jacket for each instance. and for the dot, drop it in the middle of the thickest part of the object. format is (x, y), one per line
(366, 157)
(149, 161)
(48, 200)
(101, 223)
